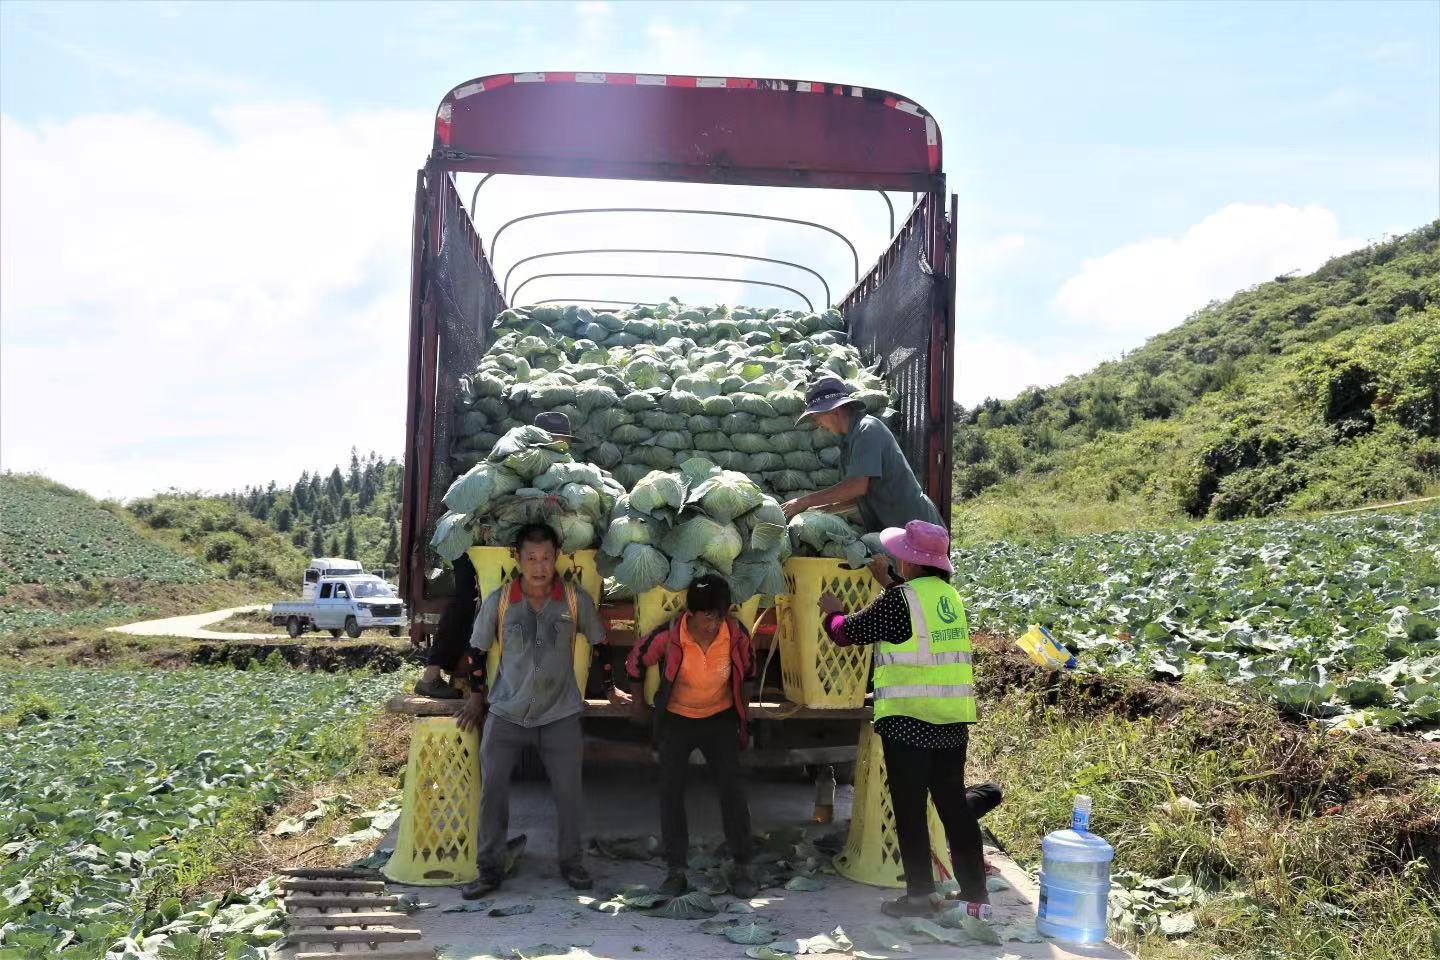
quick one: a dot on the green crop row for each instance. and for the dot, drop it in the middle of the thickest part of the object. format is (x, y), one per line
(110, 783)
(1334, 618)
(51, 534)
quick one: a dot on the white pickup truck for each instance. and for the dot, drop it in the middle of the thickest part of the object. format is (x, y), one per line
(351, 602)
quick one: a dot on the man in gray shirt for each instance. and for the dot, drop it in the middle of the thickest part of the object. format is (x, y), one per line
(533, 701)
(875, 476)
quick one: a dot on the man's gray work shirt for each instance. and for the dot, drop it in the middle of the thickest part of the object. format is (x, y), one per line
(536, 684)
(894, 497)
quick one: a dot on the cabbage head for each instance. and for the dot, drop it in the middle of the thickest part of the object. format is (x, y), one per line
(627, 529)
(657, 490)
(576, 531)
(473, 491)
(641, 568)
(452, 537)
(727, 496)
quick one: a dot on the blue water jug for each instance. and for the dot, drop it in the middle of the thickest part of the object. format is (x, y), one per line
(1075, 881)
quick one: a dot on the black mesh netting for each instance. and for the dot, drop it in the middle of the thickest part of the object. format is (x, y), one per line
(467, 302)
(892, 325)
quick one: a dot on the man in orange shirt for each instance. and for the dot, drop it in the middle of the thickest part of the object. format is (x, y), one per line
(705, 658)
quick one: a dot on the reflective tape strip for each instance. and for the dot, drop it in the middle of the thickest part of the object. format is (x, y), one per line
(923, 659)
(529, 78)
(590, 78)
(649, 80)
(917, 619)
(924, 690)
(908, 107)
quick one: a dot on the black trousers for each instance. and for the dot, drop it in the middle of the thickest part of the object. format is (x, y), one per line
(452, 634)
(716, 737)
(917, 774)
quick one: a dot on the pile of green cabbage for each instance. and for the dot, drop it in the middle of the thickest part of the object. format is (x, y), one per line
(676, 525)
(653, 387)
(815, 533)
(528, 476)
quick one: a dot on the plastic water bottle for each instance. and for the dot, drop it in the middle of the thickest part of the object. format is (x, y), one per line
(824, 796)
(980, 911)
(1075, 881)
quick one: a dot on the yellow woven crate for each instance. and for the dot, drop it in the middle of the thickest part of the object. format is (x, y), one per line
(872, 848)
(497, 565)
(655, 608)
(440, 815)
(815, 672)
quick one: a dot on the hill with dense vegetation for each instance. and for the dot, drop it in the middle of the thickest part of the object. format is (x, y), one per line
(270, 532)
(1304, 393)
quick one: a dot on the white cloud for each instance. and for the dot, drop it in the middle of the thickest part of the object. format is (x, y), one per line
(1146, 287)
(229, 305)
(204, 308)
(992, 365)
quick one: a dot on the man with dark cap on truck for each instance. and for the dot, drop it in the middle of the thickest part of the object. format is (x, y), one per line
(875, 476)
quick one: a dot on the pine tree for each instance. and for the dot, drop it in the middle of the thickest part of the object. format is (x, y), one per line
(354, 471)
(326, 513)
(282, 520)
(392, 546)
(350, 549)
(335, 484)
(334, 547)
(301, 493)
(317, 544)
(346, 510)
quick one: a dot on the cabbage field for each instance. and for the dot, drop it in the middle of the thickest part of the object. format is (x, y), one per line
(109, 780)
(50, 534)
(1329, 618)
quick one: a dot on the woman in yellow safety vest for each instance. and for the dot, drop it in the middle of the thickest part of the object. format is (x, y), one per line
(924, 705)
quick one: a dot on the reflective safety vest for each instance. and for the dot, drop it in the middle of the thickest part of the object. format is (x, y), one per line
(930, 675)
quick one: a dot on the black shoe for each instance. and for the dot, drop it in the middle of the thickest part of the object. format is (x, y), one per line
(675, 884)
(577, 876)
(436, 689)
(908, 906)
(743, 886)
(488, 882)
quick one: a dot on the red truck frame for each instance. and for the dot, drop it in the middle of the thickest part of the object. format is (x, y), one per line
(720, 130)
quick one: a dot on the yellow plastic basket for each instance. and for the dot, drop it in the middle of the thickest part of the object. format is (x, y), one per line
(497, 565)
(441, 812)
(815, 672)
(872, 848)
(655, 608)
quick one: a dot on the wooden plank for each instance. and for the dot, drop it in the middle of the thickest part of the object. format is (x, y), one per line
(335, 886)
(374, 918)
(330, 873)
(380, 953)
(372, 935)
(340, 903)
(411, 705)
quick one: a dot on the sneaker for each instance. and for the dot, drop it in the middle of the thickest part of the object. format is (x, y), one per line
(488, 882)
(436, 689)
(577, 876)
(908, 906)
(743, 886)
(675, 884)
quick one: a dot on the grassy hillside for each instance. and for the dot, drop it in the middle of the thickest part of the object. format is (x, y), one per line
(1307, 393)
(50, 534)
(219, 533)
(68, 562)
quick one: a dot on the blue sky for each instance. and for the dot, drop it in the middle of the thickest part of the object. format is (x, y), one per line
(1118, 165)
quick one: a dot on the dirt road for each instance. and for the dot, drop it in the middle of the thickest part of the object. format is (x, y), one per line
(193, 626)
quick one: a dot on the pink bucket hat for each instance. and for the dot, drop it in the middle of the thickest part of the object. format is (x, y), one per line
(924, 543)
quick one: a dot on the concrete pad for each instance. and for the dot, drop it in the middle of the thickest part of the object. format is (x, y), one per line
(621, 802)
